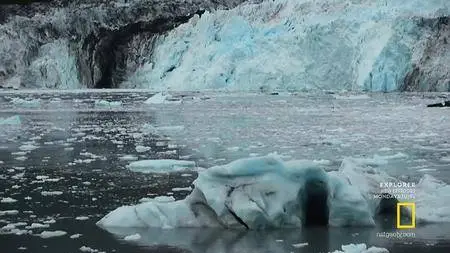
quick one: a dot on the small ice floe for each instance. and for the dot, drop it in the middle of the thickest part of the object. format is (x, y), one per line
(445, 159)
(233, 149)
(28, 147)
(55, 100)
(128, 158)
(360, 248)
(50, 234)
(162, 98)
(75, 236)
(82, 218)
(161, 166)
(8, 200)
(300, 245)
(20, 153)
(29, 103)
(13, 120)
(134, 237)
(104, 103)
(168, 152)
(36, 138)
(37, 225)
(51, 193)
(160, 144)
(170, 129)
(279, 240)
(88, 249)
(21, 158)
(426, 170)
(149, 129)
(160, 199)
(13, 230)
(44, 179)
(179, 189)
(19, 224)
(351, 97)
(51, 221)
(141, 149)
(9, 212)
(170, 145)
(8, 227)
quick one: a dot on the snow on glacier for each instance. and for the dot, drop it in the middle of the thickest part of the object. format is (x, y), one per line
(291, 44)
(266, 192)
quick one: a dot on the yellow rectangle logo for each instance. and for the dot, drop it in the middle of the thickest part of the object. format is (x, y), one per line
(413, 215)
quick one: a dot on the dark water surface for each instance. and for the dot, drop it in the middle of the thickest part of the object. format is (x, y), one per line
(75, 175)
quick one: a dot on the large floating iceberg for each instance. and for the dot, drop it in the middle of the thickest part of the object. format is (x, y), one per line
(266, 192)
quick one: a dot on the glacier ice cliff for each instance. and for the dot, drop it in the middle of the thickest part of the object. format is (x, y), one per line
(81, 43)
(266, 192)
(231, 44)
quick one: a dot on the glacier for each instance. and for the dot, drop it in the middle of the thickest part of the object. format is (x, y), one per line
(304, 45)
(267, 192)
(69, 44)
(378, 45)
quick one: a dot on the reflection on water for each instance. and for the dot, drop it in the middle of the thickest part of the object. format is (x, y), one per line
(319, 239)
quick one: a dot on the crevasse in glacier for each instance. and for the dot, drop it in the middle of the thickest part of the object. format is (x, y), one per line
(266, 192)
(287, 44)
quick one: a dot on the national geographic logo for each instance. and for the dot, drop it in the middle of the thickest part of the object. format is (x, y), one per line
(410, 205)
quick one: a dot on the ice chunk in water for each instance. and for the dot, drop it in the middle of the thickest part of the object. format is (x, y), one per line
(360, 248)
(31, 103)
(13, 120)
(104, 103)
(161, 98)
(50, 234)
(161, 166)
(266, 192)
